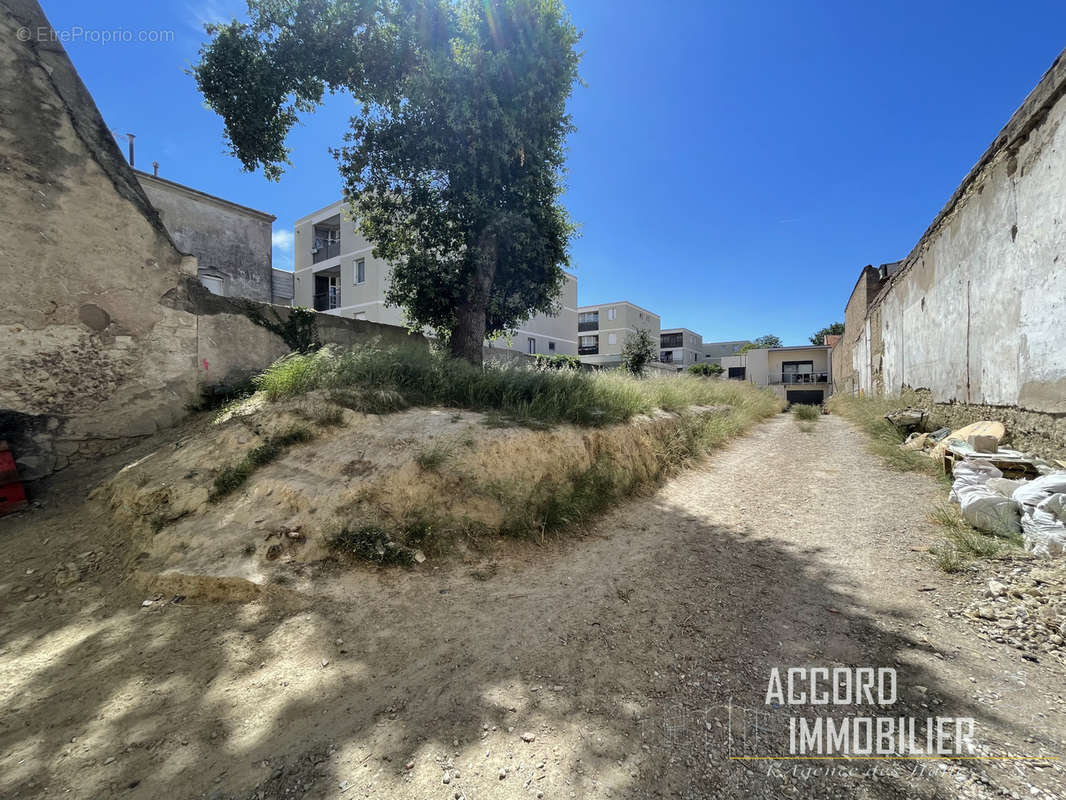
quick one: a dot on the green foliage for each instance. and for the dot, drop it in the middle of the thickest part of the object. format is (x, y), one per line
(833, 329)
(763, 342)
(558, 361)
(380, 379)
(708, 369)
(638, 351)
(806, 412)
(233, 477)
(372, 543)
(299, 330)
(453, 164)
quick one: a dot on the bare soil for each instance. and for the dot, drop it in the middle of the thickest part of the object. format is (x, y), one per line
(631, 661)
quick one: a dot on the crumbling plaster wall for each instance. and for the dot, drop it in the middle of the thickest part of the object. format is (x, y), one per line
(105, 333)
(92, 352)
(975, 314)
(227, 239)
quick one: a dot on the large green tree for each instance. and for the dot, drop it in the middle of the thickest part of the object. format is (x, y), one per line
(762, 342)
(834, 328)
(453, 164)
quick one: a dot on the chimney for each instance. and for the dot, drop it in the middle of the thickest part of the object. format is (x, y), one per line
(155, 168)
(130, 135)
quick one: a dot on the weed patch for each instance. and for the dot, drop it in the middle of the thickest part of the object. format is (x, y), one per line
(808, 413)
(233, 477)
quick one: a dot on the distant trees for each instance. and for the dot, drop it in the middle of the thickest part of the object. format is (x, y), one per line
(709, 369)
(638, 351)
(763, 342)
(835, 329)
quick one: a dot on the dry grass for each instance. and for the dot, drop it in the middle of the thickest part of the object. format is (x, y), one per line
(885, 439)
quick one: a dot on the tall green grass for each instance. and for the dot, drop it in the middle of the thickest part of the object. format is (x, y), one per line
(378, 379)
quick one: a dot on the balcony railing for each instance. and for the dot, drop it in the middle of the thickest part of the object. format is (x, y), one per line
(589, 351)
(671, 340)
(324, 301)
(588, 326)
(325, 250)
(799, 377)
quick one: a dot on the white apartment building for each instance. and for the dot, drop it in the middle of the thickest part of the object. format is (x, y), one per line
(603, 329)
(801, 374)
(680, 347)
(335, 272)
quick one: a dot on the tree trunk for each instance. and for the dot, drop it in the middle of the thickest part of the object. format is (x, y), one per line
(468, 338)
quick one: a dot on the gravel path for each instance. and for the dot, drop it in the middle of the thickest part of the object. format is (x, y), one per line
(632, 662)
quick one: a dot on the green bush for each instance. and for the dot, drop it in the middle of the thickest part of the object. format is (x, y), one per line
(806, 412)
(709, 370)
(231, 478)
(558, 361)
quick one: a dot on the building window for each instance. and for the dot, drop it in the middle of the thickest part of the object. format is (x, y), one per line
(212, 284)
(738, 373)
(610, 313)
(551, 347)
(532, 345)
(360, 270)
(588, 345)
(588, 320)
(612, 338)
(671, 339)
(666, 356)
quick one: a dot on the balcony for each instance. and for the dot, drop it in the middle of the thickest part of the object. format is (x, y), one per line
(667, 356)
(671, 340)
(594, 325)
(591, 350)
(325, 250)
(326, 301)
(792, 378)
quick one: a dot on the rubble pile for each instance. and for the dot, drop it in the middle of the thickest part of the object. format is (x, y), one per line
(999, 490)
(1025, 609)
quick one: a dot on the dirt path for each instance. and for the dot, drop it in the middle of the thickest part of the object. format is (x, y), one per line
(625, 658)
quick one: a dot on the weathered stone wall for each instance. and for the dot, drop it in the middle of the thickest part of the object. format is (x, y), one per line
(91, 355)
(975, 313)
(1030, 431)
(228, 240)
(106, 334)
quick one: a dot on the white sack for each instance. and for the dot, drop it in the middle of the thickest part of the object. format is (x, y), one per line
(989, 511)
(1056, 506)
(971, 473)
(1043, 533)
(1004, 486)
(1040, 489)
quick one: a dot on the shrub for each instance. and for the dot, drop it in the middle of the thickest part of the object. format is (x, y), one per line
(558, 361)
(806, 412)
(638, 351)
(709, 369)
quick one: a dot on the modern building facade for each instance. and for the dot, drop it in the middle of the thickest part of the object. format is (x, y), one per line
(602, 330)
(231, 242)
(335, 272)
(715, 351)
(680, 347)
(796, 374)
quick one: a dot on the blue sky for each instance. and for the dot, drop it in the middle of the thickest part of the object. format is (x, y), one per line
(735, 163)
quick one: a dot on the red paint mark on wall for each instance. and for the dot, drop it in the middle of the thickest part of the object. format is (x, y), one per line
(205, 365)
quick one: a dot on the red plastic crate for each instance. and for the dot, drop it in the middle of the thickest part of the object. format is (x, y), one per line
(12, 498)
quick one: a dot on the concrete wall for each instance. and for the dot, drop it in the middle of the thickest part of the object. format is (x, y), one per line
(975, 313)
(228, 240)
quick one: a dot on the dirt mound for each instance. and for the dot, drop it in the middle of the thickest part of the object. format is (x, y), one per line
(268, 492)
